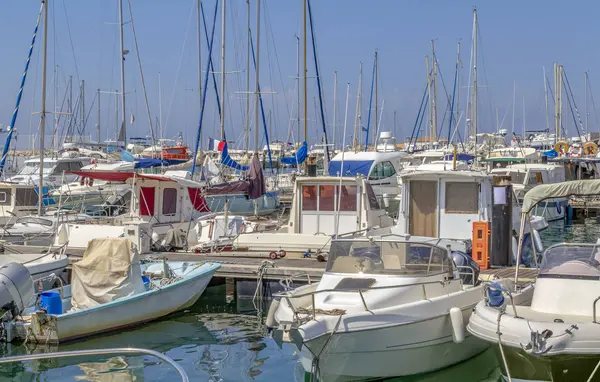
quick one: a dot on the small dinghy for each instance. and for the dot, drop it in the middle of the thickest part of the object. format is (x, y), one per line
(111, 290)
(555, 335)
(385, 307)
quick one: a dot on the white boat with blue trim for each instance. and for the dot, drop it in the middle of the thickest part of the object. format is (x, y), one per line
(111, 290)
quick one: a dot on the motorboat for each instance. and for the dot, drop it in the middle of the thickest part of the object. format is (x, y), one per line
(55, 171)
(386, 306)
(41, 266)
(33, 227)
(555, 334)
(16, 200)
(100, 302)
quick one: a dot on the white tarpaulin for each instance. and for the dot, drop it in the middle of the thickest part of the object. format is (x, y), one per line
(110, 269)
(560, 190)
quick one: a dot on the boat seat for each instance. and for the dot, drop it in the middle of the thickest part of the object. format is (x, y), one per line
(526, 312)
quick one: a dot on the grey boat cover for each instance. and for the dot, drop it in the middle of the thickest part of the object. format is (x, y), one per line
(540, 193)
(254, 186)
(109, 270)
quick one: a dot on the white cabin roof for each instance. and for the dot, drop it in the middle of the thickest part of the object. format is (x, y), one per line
(446, 174)
(369, 155)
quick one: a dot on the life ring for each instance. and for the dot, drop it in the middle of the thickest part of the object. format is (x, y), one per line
(81, 181)
(590, 148)
(561, 147)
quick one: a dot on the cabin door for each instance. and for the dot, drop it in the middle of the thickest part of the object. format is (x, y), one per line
(423, 208)
(147, 201)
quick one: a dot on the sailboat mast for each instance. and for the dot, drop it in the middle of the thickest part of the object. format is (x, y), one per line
(334, 107)
(82, 104)
(305, 70)
(474, 106)
(434, 97)
(223, 14)
(257, 75)
(43, 112)
(546, 99)
(98, 121)
(587, 115)
(429, 102)
(248, 52)
(376, 100)
(123, 132)
(199, 47)
(298, 87)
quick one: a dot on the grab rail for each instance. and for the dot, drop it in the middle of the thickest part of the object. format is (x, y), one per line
(287, 296)
(594, 308)
(76, 353)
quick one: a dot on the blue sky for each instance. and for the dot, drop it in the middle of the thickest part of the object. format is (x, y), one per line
(517, 39)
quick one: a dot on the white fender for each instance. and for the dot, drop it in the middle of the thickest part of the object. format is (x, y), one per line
(537, 239)
(270, 322)
(515, 248)
(458, 325)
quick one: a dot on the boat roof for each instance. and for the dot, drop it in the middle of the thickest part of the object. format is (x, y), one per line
(54, 160)
(446, 174)
(368, 155)
(327, 179)
(527, 166)
(542, 192)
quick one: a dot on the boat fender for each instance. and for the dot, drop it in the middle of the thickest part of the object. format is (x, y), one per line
(558, 208)
(515, 246)
(270, 321)
(494, 295)
(458, 325)
(537, 239)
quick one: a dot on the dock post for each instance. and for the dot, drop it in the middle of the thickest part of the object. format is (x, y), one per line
(229, 290)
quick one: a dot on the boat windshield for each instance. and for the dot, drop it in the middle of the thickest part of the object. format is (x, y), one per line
(32, 168)
(34, 220)
(385, 256)
(571, 261)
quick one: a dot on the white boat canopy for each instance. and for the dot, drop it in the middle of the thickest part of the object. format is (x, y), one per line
(559, 190)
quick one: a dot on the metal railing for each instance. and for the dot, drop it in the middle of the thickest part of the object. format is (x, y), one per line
(287, 296)
(111, 351)
(594, 309)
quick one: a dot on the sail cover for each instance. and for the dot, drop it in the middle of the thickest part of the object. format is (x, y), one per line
(559, 190)
(254, 186)
(298, 158)
(226, 159)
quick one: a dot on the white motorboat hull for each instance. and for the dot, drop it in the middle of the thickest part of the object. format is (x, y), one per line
(400, 350)
(39, 265)
(120, 313)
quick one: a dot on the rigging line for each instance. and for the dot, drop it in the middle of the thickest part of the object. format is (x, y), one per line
(593, 104)
(487, 83)
(237, 48)
(137, 52)
(270, 30)
(211, 65)
(572, 98)
(71, 40)
(187, 31)
(448, 99)
(274, 108)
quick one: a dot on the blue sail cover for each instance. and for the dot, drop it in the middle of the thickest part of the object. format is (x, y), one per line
(126, 156)
(227, 161)
(298, 158)
(351, 167)
(460, 157)
(550, 153)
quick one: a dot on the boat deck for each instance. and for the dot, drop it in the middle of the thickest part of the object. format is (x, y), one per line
(525, 274)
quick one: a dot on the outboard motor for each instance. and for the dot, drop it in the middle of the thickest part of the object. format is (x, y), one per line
(465, 261)
(16, 288)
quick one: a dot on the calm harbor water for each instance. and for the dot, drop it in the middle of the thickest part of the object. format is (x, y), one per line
(216, 341)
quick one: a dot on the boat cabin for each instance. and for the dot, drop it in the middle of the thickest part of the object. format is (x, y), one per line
(55, 170)
(526, 176)
(444, 204)
(318, 201)
(17, 200)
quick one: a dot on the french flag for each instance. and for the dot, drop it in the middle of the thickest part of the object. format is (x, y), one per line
(215, 144)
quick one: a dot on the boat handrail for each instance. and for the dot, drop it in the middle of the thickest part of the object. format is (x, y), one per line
(111, 351)
(470, 272)
(287, 296)
(594, 309)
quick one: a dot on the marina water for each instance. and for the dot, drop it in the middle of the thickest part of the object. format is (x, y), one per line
(219, 341)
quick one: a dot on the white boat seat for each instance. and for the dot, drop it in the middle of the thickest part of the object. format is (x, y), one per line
(526, 312)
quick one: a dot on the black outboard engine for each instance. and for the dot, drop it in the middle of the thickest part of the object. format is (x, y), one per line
(465, 261)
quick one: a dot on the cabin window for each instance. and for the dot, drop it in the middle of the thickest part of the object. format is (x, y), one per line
(5, 196)
(348, 198)
(535, 178)
(517, 177)
(26, 197)
(382, 170)
(169, 201)
(60, 167)
(373, 202)
(462, 198)
(75, 166)
(327, 198)
(309, 198)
